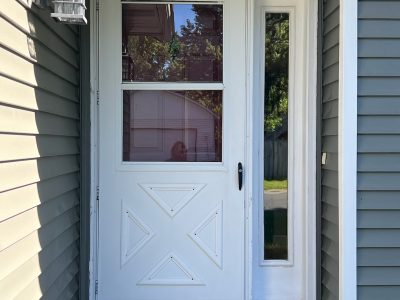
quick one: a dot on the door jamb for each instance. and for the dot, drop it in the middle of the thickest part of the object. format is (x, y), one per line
(94, 155)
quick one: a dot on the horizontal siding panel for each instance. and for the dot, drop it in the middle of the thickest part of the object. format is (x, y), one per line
(330, 196)
(21, 69)
(24, 96)
(378, 143)
(377, 257)
(31, 49)
(331, 162)
(331, 39)
(331, 57)
(39, 240)
(330, 92)
(378, 10)
(330, 284)
(33, 268)
(67, 33)
(378, 276)
(378, 219)
(329, 213)
(379, 86)
(29, 147)
(378, 200)
(390, 162)
(330, 179)
(330, 127)
(51, 231)
(330, 7)
(379, 28)
(330, 109)
(326, 294)
(329, 246)
(330, 226)
(379, 106)
(378, 181)
(66, 265)
(375, 67)
(378, 238)
(330, 144)
(13, 120)
(330, 263)
(14, 229)
(62, 289)
(15, 13)
(378, 292)
(379, 48)
(329, 74)
(20, 173)
(331, 21)
(30, 248)
(21, 199)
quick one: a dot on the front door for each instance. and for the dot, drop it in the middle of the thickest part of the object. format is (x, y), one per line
(171, 134)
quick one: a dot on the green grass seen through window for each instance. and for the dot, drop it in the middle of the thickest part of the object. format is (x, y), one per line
(275, 185)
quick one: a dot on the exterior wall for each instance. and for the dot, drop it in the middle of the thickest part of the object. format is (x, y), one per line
(39, 155)
(378, 150)
(329, 89)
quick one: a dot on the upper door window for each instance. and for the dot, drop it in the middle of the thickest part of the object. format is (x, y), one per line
(176, 45)
(172, 43)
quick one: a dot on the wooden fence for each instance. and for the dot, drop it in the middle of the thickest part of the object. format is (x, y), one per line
(275, 159)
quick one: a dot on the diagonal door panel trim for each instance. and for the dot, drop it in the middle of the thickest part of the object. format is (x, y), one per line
(216, 253)
(188, 191)
(155, 276)
(127, 251)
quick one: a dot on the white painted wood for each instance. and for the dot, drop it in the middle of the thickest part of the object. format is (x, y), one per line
(94, 155)
(170, 265)
(310, 212)
(294, 278)
(347, 157)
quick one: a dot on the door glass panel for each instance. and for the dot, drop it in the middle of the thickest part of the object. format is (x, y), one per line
(172, 42)
(172, 126)
(276, 102)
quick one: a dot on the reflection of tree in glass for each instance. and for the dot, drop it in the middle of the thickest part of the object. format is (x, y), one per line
(170, 60)
(276, 70)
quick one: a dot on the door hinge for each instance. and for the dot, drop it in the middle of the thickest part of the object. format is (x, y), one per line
(97, 193)
(97, 97)
(96, 287)
(97, 5)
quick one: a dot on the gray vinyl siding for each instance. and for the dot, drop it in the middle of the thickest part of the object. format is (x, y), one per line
(378, 203)
(39, 155)
(329, 256)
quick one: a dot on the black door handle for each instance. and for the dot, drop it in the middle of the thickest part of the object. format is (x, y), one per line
(240, 175)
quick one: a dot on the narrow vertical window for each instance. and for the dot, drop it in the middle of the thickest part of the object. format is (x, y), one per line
(276, 103)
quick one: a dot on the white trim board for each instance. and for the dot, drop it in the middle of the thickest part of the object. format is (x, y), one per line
(347, 162)
(306, 161)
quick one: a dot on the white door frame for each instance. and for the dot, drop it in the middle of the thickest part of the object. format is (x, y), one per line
(311, 41)
(309, 62)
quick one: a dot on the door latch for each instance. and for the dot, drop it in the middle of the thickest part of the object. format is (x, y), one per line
(240, 175)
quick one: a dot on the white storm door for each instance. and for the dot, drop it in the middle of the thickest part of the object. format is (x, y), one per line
(171, 135)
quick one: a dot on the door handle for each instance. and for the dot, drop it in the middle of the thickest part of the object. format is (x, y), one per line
(240, 175)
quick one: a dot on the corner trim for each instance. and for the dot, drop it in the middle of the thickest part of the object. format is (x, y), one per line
(348, 150)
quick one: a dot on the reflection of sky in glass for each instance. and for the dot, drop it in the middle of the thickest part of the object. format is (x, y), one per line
(182, 12)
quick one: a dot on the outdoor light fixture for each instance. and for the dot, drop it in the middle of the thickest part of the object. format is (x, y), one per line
(70, 11)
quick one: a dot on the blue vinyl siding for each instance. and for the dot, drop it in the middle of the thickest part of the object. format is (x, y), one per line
(378, 216)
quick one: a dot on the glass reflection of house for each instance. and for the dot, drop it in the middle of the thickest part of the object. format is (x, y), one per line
(155, 120)
(139, 20)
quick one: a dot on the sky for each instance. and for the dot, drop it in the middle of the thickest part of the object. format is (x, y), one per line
(182, 12)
